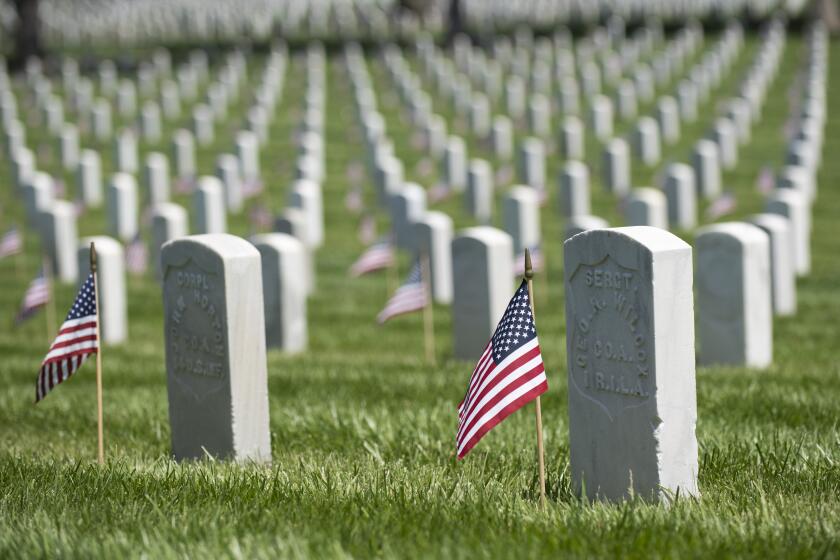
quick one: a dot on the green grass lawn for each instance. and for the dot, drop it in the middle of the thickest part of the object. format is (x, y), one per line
(363, 429)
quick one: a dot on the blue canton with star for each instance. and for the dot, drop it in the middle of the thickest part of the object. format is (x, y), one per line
(516, 327)
(85, 304)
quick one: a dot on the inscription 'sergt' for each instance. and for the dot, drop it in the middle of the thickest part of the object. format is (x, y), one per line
(195, 335)
(610, 360)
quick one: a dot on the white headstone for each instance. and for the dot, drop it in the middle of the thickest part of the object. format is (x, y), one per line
(209, 201)
(617, 167)
(482, 264)
(706, 164)
(681, 194)
(110, 275)
(126, 154)
(782, 272)
(69, 147)
(122, 206)
(156, 178)
(521, 218)
(89, 176)
(574, 189)
(433, 232)
(183, 154)
(572, 138)
(630, 352)
(794, 206)
(214, 333)
(646, 141)
(532, 162)
(734, 301)
(169, 221)
(306, 196)
(284, 261)
(601, 117)
(227, 170)
(58, 230)
(479, 194)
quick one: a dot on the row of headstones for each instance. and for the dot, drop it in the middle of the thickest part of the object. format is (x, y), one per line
(629, 291)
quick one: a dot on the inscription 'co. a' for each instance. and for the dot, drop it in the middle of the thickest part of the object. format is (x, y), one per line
(609, 336)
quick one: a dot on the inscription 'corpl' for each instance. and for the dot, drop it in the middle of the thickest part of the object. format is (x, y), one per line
(609, 346)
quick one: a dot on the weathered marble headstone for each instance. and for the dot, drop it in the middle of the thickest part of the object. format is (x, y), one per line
(284, 294)
(601, 117)
(293, 222)
(521, 218)
(69, 147)
(794, 206)
(706, 163)
(406, 207)
(156, 177)
(433, 234)
(581, 223)
(532, 162)
(782, 272)
(110, 272)
(646, 206)
(89, 176)
(150, 121)
(126, 154)
(723, 134)
(646, 141)
(214, 333)
(574, 189)
(227, 170)
(617, 167)
(102, 125)
(183, 154)
(306, 196)
(502, 138)
(630, 348)
(209, 200)
(478, 197)
(681, 194)
(455, 164)
(38, 196)
(58, 232)
(169, 221)
(626, 101)
(734, 301)
(572, 138)
(482, 264)
(668, 118)
(202, 124)
(247, 149)
(122, 206)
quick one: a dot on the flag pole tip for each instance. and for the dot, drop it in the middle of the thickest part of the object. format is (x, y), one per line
(92, 257)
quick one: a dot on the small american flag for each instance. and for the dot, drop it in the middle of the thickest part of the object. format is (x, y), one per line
(12, 243)
(764, 181)
(439, 192)
(353, 201)
(136, 256)
(367, 229)
(37, 295)
(376, 257)
(509, 374)
(411, 296)
(721, 206)
(536, 261)
(76, 340)
(251, 188)
(260, 217)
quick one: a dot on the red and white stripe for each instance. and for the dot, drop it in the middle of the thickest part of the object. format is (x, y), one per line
(76, 340)
(377, 257)
(498, 390)
(408, 298)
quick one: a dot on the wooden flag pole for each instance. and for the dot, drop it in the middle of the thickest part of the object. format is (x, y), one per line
(529, 277)
(50, 311)
(100, 430)
(428, 310)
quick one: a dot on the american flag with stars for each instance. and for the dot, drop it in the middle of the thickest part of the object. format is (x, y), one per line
(509, 374)
(37, 296)
(376, 257)
(411, 296)
(12, 243)
(77, 339)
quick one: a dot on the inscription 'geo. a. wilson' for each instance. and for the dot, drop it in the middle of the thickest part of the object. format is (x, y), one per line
(195, 336)
(610, 355)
